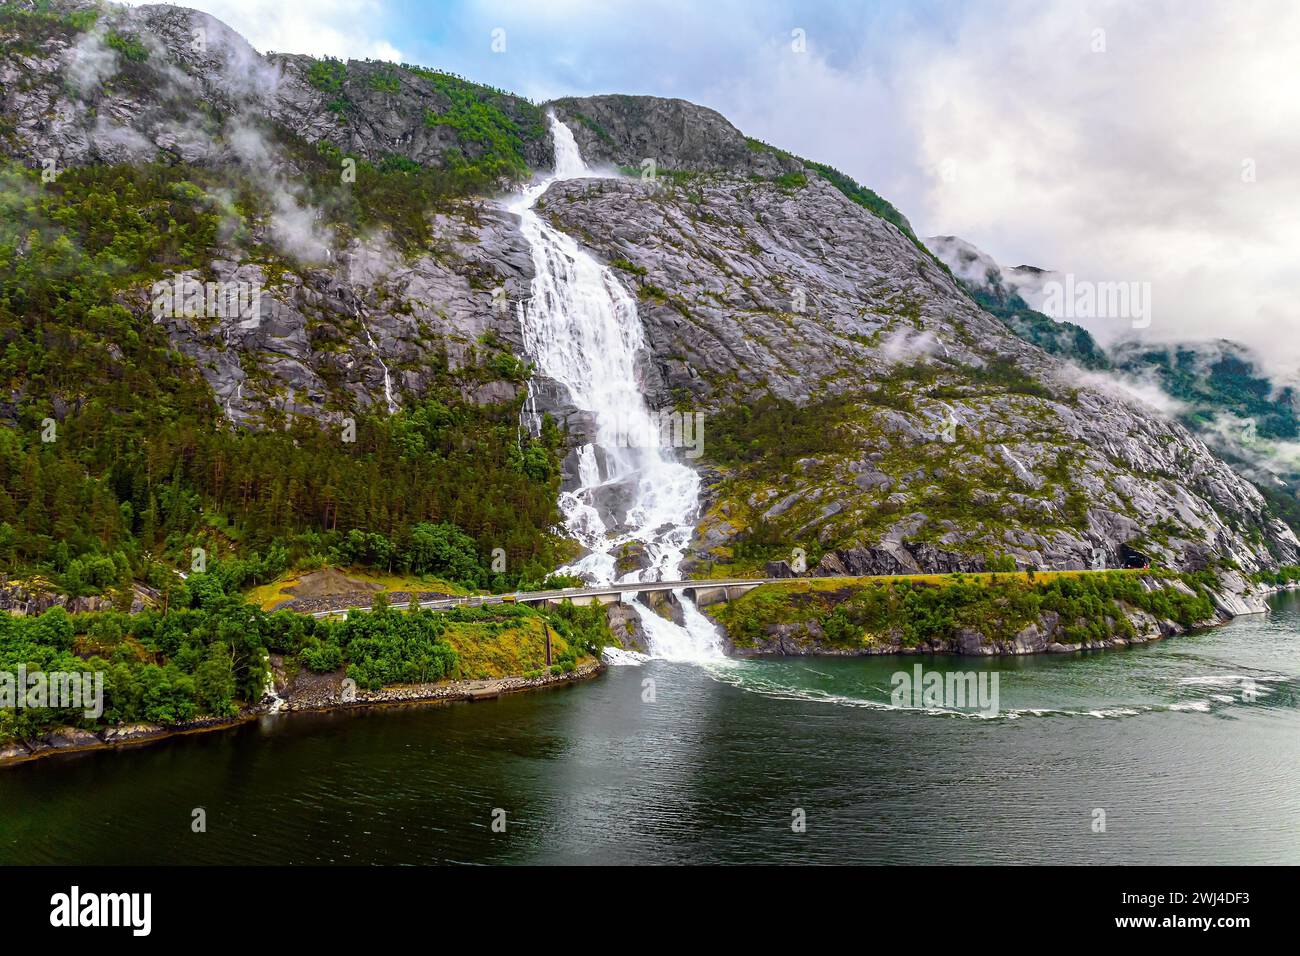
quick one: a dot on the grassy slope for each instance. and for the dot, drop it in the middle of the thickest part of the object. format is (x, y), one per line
(487, 650)
(916, 609)
(269, 596)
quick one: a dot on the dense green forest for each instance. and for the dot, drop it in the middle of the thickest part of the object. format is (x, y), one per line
(1090, 606)
(114, 454)
(206, 655)
(1210, 384)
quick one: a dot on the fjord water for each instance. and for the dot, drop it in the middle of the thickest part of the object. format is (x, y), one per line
(1158, 737)
(580, 326)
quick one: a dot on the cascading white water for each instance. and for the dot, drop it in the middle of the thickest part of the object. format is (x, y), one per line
(581, 328)
(383, 366)
(269, 694)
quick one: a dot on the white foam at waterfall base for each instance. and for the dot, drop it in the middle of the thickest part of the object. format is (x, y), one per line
(581, 328)
(696, 640)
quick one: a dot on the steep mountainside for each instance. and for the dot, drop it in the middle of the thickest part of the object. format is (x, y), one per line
(860, 406)
(864, 405)
(1218, 388)
(1002, 292)
(131, 89)
(375, 376)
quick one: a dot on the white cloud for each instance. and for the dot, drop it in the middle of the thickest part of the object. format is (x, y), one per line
(1144, 390)
(91, 61)
(294, 223)
(341, 28)
(1237, 436)
(1127, 164)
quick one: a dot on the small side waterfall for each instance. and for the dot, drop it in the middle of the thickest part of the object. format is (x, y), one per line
(374, 347)
(270, 696)
(581, 328)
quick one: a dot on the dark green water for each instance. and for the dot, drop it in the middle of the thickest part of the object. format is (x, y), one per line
(1158, 737)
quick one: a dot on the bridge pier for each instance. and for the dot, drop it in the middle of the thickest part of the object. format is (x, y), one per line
(707, 596)
(582, 600)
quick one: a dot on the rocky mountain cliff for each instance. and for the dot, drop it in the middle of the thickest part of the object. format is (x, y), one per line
(943, 438)
(338, 310)
(1217, 388)
(625, 131)
(861, 408)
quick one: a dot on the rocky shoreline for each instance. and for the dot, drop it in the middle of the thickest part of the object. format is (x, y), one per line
(806, 638)
(325, 693)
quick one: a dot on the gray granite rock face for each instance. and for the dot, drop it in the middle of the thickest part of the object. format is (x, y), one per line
(784, 290)
(330, 320)
(625, 624)
(628, 130)
(325, 336)
(746, 289)
(80, 102)
(749, 285)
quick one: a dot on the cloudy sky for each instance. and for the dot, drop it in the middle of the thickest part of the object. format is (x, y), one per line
(1144, 141)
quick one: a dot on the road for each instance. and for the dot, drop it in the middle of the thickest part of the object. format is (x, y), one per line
(610, 593)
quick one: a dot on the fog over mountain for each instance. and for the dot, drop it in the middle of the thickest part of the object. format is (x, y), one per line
(1219, 388)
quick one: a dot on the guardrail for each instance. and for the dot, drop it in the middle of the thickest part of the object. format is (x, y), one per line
(621, 590)
(536, 597)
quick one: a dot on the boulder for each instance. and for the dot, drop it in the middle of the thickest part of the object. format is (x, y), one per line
(625, 625)
(970, 641)
(1031, 639)
(666, 605)
(13, 751)
(124, 733)
(69, 738)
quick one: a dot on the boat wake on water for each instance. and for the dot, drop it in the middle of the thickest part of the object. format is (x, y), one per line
(1127, 686)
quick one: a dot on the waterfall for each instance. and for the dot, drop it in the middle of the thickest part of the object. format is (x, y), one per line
(581, 328)
(383, 366)
(270, 697)
(370, 339)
